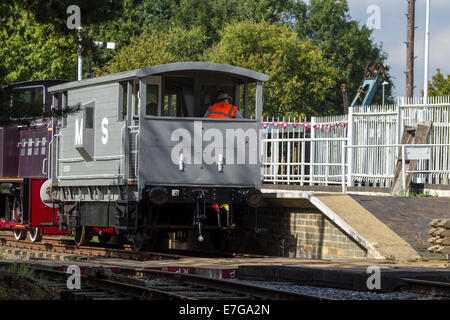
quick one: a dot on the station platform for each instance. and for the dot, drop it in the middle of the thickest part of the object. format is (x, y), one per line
(381, 227)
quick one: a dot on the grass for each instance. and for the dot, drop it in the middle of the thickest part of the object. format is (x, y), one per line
(3, 292)
(409, 194)
(22, 270)
(391, 260)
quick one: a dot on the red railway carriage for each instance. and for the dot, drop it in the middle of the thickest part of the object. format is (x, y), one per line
(24, 170)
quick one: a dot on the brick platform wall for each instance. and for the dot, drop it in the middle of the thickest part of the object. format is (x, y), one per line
(303, 233)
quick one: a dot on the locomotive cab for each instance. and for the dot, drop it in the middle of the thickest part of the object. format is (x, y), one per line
(24, 166)
(141, 159)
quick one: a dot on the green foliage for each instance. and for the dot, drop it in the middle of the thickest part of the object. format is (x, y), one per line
(92, 12)
(143, 17)
(308, 50)
(410, 194)
(159, 47)
(439, 86)
(212, 16)
(22, 270)
(33, 51)
(300, 77)
(350, 47)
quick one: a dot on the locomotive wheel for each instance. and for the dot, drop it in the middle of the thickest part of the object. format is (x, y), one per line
(103, 239)
(147, 240)
(20, 234)
(138, 241)
(154, 240)
(82, 236)
(35, 235)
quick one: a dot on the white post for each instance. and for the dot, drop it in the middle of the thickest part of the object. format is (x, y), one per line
(350, 144)
(327, 156)
(403, 168)
(399, 124)
(80, 58)
(302, 160)
(311, 153)
(343, 166)
(80, 67)
(427, 48)
(288, 161)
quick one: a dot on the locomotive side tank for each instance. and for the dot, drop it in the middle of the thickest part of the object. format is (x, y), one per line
(139, 159)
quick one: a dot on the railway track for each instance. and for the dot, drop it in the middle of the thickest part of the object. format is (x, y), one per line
(135, 284)
(124, 251)
(68, 247)
(427, 287)
(195, 287)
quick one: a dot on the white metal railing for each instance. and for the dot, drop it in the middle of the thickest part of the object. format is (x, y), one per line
(427, 157)
(308, 153)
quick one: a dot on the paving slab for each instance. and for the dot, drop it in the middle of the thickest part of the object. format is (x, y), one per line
(408, 217)
(375, 232)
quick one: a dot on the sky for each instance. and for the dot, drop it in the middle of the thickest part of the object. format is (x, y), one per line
(392, 36)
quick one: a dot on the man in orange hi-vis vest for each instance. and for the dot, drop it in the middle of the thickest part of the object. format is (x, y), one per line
(222, 108)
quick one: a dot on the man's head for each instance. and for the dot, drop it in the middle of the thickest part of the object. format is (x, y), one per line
(222, 96)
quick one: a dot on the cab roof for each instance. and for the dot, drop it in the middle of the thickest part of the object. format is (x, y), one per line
(244, 74)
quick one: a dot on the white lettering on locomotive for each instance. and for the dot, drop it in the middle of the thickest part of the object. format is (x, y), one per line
(105, 130)
(79, 132)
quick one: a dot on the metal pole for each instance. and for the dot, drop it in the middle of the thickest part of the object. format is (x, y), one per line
(80, 58)
(410, 48)
(427, 48)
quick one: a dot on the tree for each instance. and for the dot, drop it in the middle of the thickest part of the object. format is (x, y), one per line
(439, 86)
(212, 16)
(159, 47)
(143, 17)
(350, 47)
(33, 51)
(300, 76)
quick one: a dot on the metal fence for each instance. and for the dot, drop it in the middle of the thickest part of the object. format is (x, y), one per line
(297, 152)
(311, 152)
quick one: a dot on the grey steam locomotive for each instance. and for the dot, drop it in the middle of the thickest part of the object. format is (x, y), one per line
(139, 159)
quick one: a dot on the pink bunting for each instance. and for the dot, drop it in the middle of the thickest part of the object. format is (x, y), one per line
(306, 125)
